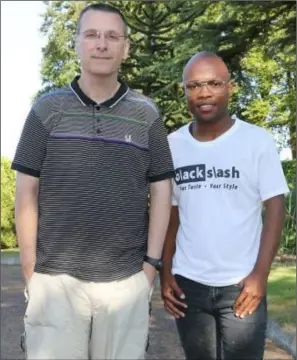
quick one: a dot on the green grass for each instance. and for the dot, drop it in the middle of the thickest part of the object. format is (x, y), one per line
(282, 295)
(10, 253)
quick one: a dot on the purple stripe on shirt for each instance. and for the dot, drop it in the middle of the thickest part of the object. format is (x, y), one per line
(97, 138)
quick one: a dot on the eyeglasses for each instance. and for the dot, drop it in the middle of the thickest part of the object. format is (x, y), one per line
(214, 86)
(93, 35)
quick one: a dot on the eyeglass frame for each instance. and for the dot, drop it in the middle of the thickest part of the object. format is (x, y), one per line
(98, 35)
(206, 84)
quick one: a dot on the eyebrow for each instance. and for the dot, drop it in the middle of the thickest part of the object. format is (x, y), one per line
(202, 81)
(95, 30)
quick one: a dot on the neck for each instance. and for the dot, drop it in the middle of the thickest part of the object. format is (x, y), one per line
(207, 131)
(99, 88)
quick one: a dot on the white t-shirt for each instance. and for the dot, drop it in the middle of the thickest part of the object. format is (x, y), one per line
(219, 188)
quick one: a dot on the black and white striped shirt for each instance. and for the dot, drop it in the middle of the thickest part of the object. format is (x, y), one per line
(95, 163)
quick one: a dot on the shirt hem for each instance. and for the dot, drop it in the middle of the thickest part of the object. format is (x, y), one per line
(233, 281)
(80, 273)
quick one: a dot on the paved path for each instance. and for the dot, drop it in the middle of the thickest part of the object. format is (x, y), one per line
(164, 343)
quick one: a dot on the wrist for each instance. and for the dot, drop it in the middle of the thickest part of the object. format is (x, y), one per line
(28, 266)
(154, 262)
(148, 266)
(261, 272)
(28, 256)
(166, 265)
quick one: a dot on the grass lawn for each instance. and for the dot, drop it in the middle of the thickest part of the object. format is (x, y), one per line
(282, 295)
(10, 253)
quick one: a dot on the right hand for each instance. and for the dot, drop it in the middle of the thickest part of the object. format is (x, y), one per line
(171, 292)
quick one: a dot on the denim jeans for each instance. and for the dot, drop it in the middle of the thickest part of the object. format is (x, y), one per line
(211, 331)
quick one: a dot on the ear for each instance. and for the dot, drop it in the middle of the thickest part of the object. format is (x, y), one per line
(127, 49)
(76, 46)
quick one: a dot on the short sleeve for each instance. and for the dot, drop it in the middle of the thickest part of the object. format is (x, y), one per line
(31, 149)
(161, 165)
(271, 178)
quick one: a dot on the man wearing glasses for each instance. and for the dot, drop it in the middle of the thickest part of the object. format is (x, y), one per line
(217, 255)
(88, 156)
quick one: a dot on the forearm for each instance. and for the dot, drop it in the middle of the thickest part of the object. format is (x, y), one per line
(26, 217)
(26, 227)
(160, 205)
(271, 234)
(170, 240)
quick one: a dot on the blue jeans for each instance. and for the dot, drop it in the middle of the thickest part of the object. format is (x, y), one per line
(211, 331)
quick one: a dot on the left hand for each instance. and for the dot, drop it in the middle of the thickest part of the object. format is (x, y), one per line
(150, 272)
(254, 289)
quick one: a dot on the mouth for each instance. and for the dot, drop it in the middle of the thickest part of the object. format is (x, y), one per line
(205, 108)
(101, 58)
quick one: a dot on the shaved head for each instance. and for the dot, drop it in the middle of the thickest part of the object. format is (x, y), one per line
(207, 85)
(207, 59)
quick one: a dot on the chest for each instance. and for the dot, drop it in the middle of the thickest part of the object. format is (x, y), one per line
(102, 126)
(220, 172)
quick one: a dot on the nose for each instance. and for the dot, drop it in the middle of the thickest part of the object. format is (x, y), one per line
(101, 43)
(204, 92)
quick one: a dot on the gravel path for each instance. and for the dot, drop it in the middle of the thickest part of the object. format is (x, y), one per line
(164, 343)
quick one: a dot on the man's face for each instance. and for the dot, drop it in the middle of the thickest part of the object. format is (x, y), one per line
(207, 89)
(101, 44)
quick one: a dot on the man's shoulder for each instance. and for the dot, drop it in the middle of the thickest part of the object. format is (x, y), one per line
(52, 99)
(139, 99)
(256, 134)
(179, 134)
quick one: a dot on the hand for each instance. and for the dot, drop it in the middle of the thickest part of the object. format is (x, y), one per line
(254, 289)
(150, 272)
(170, 290)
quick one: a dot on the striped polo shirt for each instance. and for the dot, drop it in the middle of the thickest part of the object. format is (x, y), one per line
(95, 163)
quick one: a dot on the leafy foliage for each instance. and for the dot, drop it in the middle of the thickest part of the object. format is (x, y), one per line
(257, 40)
(8, 238)
(288, 244)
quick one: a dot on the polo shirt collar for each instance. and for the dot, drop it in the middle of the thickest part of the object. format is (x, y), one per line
(86, 101)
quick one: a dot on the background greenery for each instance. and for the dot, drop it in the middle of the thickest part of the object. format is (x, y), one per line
(257, 40)
(282, 295)
(8, 239)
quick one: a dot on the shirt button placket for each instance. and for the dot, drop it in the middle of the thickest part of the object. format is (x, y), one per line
(97, 121)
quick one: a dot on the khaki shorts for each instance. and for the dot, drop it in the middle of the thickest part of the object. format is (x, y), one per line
(71, 319)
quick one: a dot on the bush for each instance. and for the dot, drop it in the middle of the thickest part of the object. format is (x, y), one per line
(288, 243)
(8, 236)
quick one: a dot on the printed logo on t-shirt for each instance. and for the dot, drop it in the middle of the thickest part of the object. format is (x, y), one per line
(201, 173)
(194, 173)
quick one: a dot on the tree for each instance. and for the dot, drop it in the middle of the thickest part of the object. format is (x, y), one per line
(257, 39)
(153, 27)
(8, 238)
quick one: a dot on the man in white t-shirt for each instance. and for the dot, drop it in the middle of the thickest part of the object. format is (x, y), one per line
(217, 254)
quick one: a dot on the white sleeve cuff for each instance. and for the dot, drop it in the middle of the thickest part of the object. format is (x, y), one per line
(270, 195)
